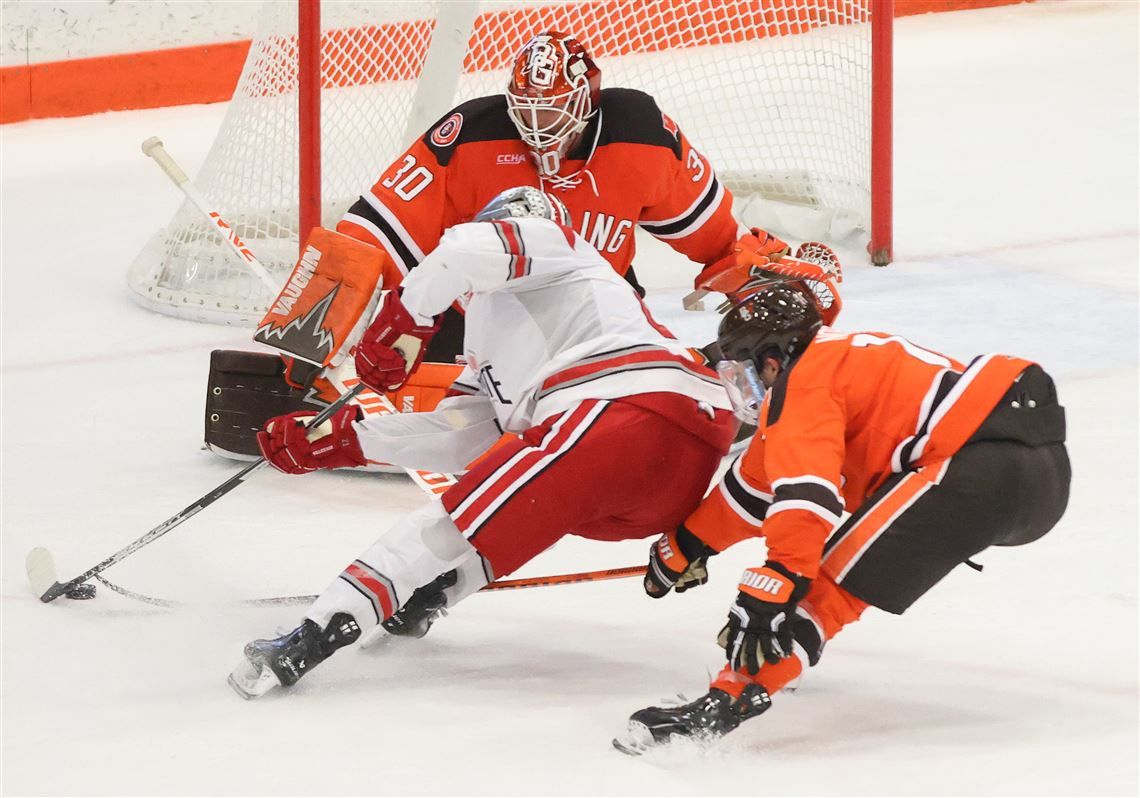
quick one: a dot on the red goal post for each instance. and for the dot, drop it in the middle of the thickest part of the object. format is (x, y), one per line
(789, 99)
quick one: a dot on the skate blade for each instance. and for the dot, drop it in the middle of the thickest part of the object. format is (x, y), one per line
(636, 741)
(251, 681)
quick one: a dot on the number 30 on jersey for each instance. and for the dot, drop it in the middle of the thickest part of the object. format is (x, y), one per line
(407, 182)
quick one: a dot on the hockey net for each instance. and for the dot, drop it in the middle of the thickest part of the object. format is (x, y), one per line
(777, 94)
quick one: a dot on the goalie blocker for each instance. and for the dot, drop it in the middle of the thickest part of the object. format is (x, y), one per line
(246, 389)
(313, 322)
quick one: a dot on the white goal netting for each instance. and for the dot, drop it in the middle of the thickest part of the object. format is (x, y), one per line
(775, 92)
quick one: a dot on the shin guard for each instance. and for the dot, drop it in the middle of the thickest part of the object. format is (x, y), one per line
(419, 548)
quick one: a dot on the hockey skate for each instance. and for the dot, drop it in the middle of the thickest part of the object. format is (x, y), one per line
(704, 721)
(426, 605)
(281, 662)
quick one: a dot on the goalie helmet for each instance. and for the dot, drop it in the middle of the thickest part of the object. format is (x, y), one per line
(774, 322)
(522, 201)
(554, 89)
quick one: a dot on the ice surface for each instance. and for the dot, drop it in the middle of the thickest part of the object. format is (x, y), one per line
(1016, 207)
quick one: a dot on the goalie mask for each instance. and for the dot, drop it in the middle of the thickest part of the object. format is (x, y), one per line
(553, 91)
(777, 322)
(522, 201)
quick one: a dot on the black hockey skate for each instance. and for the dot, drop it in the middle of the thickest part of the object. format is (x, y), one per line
(426, 605)
(281, 662)
(705, 720)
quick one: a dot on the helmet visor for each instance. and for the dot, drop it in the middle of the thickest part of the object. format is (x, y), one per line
(744, 388)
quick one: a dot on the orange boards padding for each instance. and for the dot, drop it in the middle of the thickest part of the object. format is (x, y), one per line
(209, 73)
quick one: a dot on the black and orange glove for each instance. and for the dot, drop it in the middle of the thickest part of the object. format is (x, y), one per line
(752, 251)
(761, 621)
(763, 243)
(678, 561)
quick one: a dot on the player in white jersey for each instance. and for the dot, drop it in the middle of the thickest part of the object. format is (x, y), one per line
(560, 351)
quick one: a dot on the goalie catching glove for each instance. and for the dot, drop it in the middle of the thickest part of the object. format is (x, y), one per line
(763, 243)
(759, 260)
(760, 622)
(392, 346)
(677, 560)
(290, 447)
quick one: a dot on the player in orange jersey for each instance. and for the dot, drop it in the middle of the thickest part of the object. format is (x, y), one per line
(612, 156)
(935, 460)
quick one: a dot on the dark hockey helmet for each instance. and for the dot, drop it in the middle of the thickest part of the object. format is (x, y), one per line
(522, 201)
(778, 321)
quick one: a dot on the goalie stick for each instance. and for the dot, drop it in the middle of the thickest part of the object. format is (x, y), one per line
(153, 148)
(41, 565)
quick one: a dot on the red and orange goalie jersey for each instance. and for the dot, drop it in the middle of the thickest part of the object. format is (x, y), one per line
(853, 410)
(634, 167)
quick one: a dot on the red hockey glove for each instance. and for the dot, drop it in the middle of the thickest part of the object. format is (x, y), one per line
(392, 346)
(291, 448)
(677, 560)
(761, 621)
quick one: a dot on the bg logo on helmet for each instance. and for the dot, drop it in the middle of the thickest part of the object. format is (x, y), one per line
(542, 64)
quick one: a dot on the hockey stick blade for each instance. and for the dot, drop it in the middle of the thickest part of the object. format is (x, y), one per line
(40, 566)
(41, 574)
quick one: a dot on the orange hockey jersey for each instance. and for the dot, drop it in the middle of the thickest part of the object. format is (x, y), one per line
(853, 410)
(637, 168)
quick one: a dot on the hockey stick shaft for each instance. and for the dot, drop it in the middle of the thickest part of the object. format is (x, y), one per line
(509, 584)
(566, 579)
(59, 588)
(430, 482)
(505, 584)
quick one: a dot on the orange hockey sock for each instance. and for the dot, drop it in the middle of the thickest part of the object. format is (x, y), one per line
(831, 607)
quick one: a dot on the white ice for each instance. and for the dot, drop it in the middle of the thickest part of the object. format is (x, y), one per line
(1016, 219)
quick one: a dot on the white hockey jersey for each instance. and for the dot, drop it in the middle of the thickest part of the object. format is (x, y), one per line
(548, 325)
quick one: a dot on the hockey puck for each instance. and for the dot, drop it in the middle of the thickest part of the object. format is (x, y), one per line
(81, 592)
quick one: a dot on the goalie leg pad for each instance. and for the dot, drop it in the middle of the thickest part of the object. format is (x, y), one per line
(246, 389)
(426, 388)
